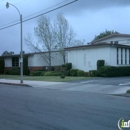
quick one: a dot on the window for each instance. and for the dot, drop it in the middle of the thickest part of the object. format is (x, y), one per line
(125, 56)
(121, 56)
(15, 61)
(117, 56)
(128, 41)
(115, 42)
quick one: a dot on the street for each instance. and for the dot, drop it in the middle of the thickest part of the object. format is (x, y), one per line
(28, 108)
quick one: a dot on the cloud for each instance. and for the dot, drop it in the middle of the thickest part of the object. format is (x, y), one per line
(95, 5)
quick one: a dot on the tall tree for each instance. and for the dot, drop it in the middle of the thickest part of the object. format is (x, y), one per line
(104, 34)
(45, 35)
(64, 35)
(56, 36)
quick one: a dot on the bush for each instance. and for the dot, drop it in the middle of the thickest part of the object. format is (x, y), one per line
(86, 74)
(7, 72)
(42, 74)
(112, 71)
(67, 73)
(36, 73)
(68, 66)
(80, 73)
(51, 73)
(73, 72)
(63, 65)
(93, 73)
(26, 71)
(128, 91)
(2, 65)
(13, 71)
(100, 63)
(62, 76)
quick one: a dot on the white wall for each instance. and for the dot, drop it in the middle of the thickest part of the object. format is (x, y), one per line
(121, 40)
(36, 60)
(8, 62)
(113, 56)
(87, 59)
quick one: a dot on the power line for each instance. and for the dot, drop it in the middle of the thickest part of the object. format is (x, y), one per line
(48, 8)
(39, 14)
(33, 14)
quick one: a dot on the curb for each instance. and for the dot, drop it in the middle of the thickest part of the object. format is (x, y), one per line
(122, 95)
(18, 84)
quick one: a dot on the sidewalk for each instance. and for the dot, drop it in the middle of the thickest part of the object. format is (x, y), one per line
(29, 83)
(93, 88)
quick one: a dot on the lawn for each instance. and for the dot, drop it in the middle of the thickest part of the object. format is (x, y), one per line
(44, 78)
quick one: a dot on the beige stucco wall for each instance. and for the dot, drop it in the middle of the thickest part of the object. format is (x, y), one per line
(38, 60)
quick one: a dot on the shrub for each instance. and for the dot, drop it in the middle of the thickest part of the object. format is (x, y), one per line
(86, 74)
(67, 73)
(2, 65)
(62, 76)
(100, 63)
(80, 73)
(128, 91)
(112, 71)
(36, 73)
(93, 73)
(73, 72)
(26, 71)
(14, 71)
(68, 66)
(42, 74)
(63, 65)
(7, 72)
(51, 73)
(63, 68)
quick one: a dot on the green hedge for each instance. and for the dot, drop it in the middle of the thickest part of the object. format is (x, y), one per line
(100, 63)
(13, 71)
(2, 65)
(26, 71)
(93, 73)
(68, 66)
(112, 71)
(73, 72)
(37, 73)
(80, 73)
(51, 73)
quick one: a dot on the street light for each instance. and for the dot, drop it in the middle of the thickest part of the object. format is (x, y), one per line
(21, 55)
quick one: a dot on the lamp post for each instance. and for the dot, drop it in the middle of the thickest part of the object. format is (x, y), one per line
(21, 55)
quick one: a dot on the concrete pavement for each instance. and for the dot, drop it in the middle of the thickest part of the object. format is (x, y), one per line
(103, 86)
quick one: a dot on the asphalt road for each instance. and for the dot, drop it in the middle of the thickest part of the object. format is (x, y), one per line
(27, 108)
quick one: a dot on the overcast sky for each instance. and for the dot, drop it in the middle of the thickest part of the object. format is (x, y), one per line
(87, 17)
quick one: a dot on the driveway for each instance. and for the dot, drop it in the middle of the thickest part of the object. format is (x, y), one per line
(97, 85)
